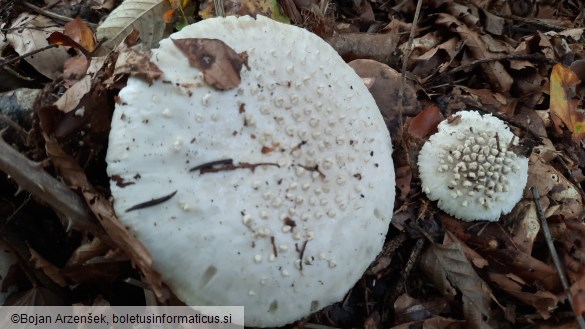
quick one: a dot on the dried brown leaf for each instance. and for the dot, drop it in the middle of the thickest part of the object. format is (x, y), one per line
(552, 183)
(526, 225)
(426, 122)
(482, 47)
(578, 295)
(220, 64)
(451, 272)
(71, 98)
(50, 270)
(102, 208)
(87, 251)
(135, 63)
(542, 301)
(79, 32)
(497, 247)
(29, 33)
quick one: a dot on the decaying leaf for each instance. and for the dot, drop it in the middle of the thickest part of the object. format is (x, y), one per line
(60, 39)
(28, 33)
(71, 98)
(553, 184)
(75, 177)
(145, 16)
(481, 46)
(135, 63)
(451, 273)
(425, 123)
(563, 105)
(47, 267)
(79, 32)
(578, 295)
(543, 301)
(220, 64)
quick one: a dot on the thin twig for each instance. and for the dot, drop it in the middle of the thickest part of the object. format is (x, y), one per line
(405, 61)
(19, 130)
(52, 15)
(534, 21)
(532, 57)
(16, 59)
(554, 255)
(405, 275)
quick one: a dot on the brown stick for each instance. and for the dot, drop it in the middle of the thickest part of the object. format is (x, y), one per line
(30, 177)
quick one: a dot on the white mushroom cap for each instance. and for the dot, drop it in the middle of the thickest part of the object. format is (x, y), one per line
(463, 167)
(294, 234)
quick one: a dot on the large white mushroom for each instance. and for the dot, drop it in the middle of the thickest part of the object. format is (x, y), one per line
(275, 194)
(470, 167)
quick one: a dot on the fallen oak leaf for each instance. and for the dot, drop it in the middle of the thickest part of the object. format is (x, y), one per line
(451, 272)
(220, 64)
(79, 32)
(563, 104)
(60, 39)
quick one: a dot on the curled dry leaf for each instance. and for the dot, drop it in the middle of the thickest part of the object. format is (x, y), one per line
(526, 225)
(425, 123)
(408, 309)
(451, 272)
(542, 301)
(501, 253)
(79, 32)
(481, 46)
(50, 270)
(71, 98)
(87, 251)
(134, 63)
(553, 184)
(220, 64)
(563, 104)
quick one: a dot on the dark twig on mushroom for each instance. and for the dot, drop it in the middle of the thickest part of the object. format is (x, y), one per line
(211, 164)
(227, 165)
(152, 202)
(315, 169)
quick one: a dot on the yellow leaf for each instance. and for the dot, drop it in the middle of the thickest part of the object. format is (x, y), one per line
(563, 104)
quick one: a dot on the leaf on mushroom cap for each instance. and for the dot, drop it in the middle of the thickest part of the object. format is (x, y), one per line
(469, 167)
(285, 184)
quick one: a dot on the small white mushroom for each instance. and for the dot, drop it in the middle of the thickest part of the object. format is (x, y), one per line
(495, 177)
